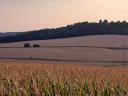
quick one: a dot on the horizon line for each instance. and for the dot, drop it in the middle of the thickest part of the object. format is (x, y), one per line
(109, 21)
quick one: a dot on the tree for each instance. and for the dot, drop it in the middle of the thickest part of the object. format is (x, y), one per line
(100, 21)
(27, 45)
(36, 45)
(105, 21)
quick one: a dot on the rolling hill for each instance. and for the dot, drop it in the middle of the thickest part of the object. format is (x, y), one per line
(81, 50)
(95, 40)
(75, 30)
(8, 34)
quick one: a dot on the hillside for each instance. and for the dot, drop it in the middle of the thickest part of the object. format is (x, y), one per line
(8, 34)
(79, 50)
(75, 30)
(96, 40)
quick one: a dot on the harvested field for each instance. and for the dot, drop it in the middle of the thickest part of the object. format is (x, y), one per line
(100, 49)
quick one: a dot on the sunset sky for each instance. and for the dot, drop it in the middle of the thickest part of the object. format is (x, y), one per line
(23, 15)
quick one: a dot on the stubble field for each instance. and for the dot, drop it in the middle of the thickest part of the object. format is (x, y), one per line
(81, 66)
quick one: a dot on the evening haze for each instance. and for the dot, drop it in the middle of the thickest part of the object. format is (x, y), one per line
(24, 15)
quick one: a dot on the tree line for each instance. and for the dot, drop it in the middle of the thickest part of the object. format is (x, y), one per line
(78, 29)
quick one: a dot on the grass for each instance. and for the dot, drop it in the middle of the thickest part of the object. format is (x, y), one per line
(62, 80)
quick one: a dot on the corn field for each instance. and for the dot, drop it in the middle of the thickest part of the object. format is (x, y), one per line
(62, 80)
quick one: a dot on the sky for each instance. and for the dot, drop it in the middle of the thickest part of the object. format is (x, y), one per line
(25, 15)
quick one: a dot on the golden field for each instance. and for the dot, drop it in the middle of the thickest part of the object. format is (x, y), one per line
(21, 79)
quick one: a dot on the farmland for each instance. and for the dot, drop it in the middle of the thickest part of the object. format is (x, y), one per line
(101, 50)
(17, 79)
(81, 66)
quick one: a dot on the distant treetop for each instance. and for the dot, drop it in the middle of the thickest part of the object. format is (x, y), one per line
(78, 29)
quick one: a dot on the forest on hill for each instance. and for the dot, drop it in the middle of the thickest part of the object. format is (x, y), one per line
(8, 33)
(75, 30)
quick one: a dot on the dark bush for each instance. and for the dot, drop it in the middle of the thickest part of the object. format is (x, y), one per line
(36, 45)
(27, 45)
